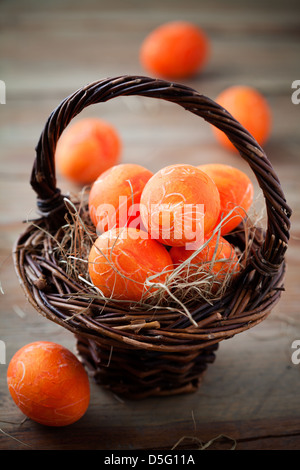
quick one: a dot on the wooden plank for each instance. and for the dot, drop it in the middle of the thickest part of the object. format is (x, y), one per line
(242, 38)
(250, 394)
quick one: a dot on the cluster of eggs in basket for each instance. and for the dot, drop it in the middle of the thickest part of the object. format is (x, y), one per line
(148, 224)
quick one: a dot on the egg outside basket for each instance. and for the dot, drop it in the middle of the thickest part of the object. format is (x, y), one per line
(133, 353)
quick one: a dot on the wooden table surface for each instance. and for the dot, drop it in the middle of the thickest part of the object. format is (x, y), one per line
(250, 394)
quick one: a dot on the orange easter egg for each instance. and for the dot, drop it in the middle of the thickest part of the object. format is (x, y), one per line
(87, 148)
(217, 257)
(175, 50)
(236, 193)
(48, 383)
(248, 106)
(180, 204)
(123, 259)
(115, 196)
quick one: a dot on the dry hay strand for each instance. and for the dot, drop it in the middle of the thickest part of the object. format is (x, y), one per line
(194, 443)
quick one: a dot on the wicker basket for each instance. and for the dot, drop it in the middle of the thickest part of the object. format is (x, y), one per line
(164, 354)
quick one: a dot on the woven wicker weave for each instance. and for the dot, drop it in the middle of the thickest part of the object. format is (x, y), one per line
(164, 353)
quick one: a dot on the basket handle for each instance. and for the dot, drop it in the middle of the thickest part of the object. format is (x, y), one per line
(43, 179)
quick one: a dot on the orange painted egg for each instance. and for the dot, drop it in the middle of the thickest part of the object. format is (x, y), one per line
(115, 196)
(180, 204)
(217, 257)
(248, 106)
(175, 50)
(87, 148)
(122, 260)
(236, 194)
(48, 383)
